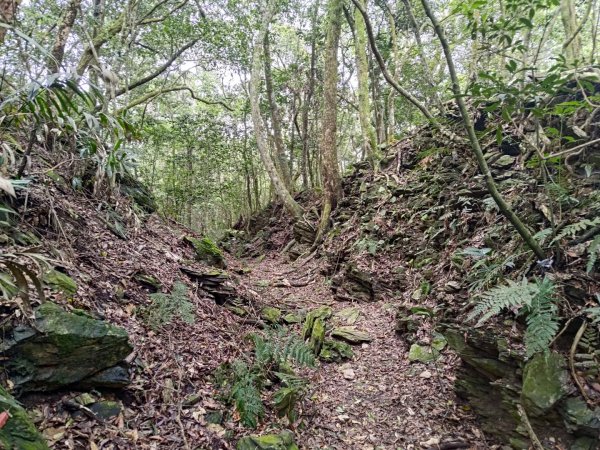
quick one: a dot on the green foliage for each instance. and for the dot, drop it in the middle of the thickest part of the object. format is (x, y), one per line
(167, 307)
(274, 354)
(17, 271)
(542, 318)
(539, 300)
(587, 358)
(592, 251)
(572, 230)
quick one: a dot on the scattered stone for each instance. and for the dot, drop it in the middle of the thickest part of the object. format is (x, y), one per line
(291, 318)
(504, 162)
(270, 315)
(207, 251)
(19, 432)
(116, 377)
(420, 353)
(425, 374)
(85, 399)
(281, 441)
(578, 417)
(350, 315)
(335, 351)
(348, 374)
(452, 286)
(317, 337)
(322, 312)
(351, 335)
(63, 348)
(106, 410)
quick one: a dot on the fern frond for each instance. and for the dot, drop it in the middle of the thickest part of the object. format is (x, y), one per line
(297, 351)
(542, 235)
(542, 319)
(248, 401)
(593, 250)
(574, 229)
(515, 295)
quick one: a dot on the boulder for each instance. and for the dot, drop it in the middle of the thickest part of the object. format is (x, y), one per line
(19, 432)
(281, 441)
(62, 348)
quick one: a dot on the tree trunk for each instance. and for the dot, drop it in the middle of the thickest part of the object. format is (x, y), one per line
(64, 30)
(504, 208)
(572, 45)
(364, 108)
(261, 139)
(332, 183)
(281, 159)
(8, 11)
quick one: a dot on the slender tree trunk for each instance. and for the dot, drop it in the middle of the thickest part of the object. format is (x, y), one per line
(306, 167)
(572, 44)
(190, 184)
(504, 207)
(8, 12)
(261, 139)
(64, 30)
(332, 182)
(364, 107)
(281, 161)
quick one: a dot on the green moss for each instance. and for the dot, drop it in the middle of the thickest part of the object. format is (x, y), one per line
(281, 441)
(270, 314)
(335, 351)
(61, 282)
(207, 251)
(62, 349)
(544, 382)
(19, 431)
(322, 312)
(317, 337)
(351, 335)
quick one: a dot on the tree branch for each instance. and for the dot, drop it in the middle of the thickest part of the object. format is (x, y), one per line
(153, 94)
(157, 72)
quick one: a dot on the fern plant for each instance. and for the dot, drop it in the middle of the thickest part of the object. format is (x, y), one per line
(274, 355)
(537, 298)
(166, 307)
(592, 251)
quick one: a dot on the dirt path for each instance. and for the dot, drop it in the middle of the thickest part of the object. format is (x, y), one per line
(377, 400)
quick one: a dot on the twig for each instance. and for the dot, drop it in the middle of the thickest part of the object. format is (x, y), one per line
(572, 360)
(537, 445)
(569, 150)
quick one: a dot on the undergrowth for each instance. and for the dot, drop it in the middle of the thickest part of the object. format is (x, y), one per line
(167, 307)
(244, 382)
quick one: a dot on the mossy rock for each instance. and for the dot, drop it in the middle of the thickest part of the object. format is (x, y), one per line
(63, 348)
(19, 432)
(545, 382)
(578, 417)
(291, 318)
(148, 281)
(61, 282)
(351, 335)
(281, 441)
(317, 337)
(335, 351)
(207, 252)
(322, 312)
(270, 315)
(139, 193)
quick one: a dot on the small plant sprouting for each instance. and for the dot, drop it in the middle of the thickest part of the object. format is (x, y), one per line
(167, 307)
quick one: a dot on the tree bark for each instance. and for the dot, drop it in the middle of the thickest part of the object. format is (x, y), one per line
(64, 30)
(281, 159)
(572, 45)
(504, 207)
(8, 11)
(332, 182)
(261, 139)
(369, 135)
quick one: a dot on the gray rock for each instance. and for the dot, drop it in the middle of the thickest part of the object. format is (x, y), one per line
(64, 348)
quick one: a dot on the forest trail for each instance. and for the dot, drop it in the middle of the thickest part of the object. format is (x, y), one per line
(377, 399)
